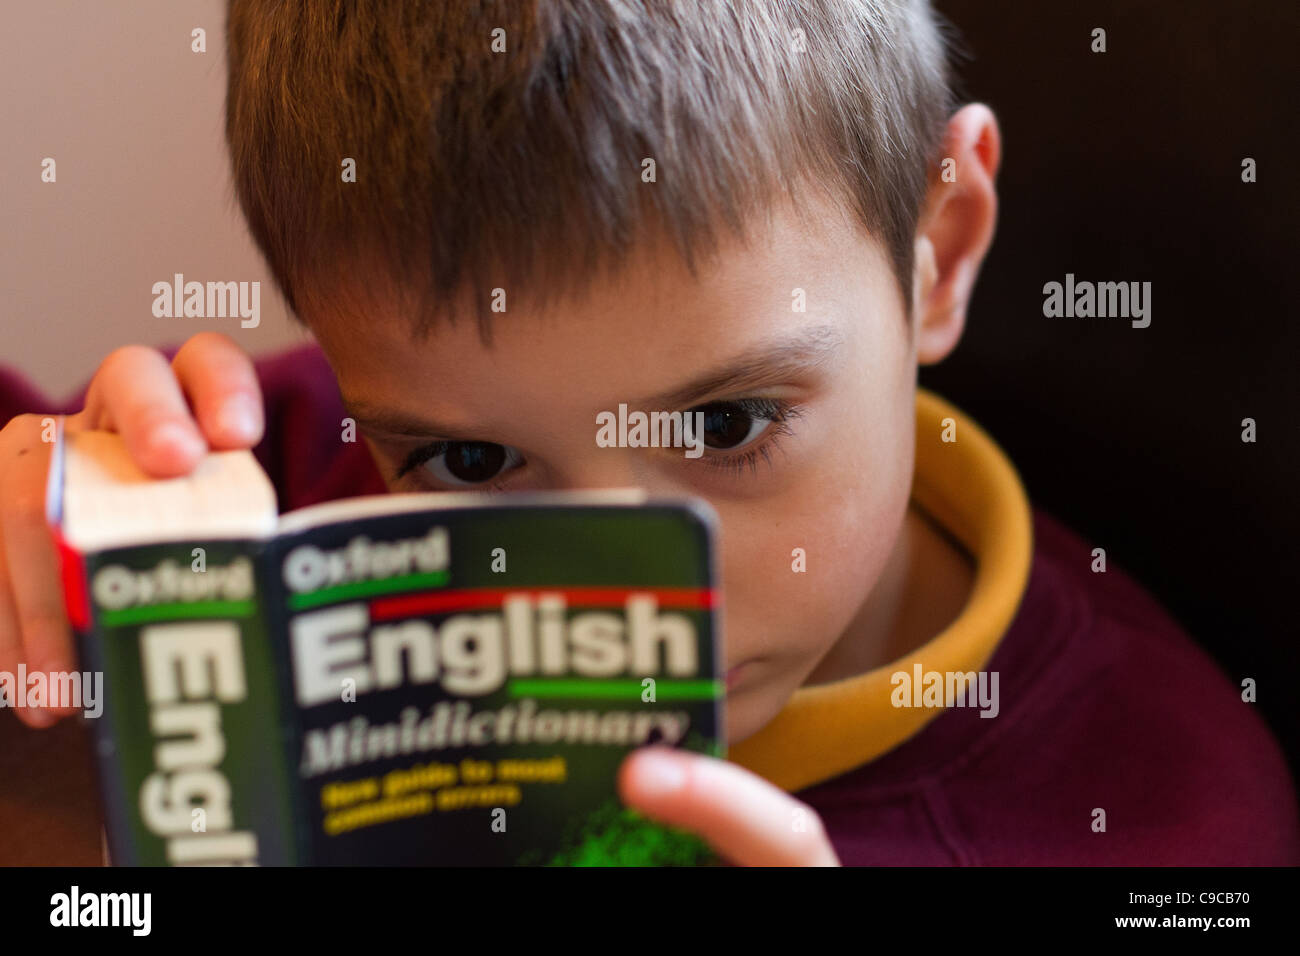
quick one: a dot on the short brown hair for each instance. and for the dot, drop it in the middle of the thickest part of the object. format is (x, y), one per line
(474, 165)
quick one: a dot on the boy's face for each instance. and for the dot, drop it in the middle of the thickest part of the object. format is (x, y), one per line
(817, 456)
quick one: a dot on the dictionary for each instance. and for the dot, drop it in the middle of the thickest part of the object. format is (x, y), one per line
(406, 679)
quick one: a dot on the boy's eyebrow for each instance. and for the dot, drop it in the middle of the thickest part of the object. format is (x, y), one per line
(375, 418)
(767, 364)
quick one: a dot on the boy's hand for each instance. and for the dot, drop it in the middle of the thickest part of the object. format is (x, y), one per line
(168, 415)
(742, 816)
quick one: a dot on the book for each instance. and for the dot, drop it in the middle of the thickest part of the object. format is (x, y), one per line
(405, 679)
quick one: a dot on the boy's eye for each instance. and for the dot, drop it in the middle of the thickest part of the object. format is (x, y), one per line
(469, 462)
(731, 425)
(727, 425)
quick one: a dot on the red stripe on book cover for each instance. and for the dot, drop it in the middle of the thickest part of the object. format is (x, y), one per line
(72, 570)
(411, 605)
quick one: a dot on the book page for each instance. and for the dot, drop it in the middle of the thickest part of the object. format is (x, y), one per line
(107, 501)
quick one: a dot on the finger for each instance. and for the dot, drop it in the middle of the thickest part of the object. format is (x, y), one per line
(11, 638)
(741, 815)
(219, 378)
(17, 441)
(14, 441)
(30, 566)
(135, 393)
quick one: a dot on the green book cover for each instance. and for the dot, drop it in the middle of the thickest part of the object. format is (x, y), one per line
(441, 679)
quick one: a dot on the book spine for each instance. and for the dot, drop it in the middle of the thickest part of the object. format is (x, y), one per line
(190, 767)
(76, 598)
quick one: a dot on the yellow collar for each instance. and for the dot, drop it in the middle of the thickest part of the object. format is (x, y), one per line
(971, 489)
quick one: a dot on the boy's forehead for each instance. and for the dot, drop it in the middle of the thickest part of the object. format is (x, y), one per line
(781, 295)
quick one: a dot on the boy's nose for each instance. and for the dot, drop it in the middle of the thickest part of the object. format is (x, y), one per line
(601, 468)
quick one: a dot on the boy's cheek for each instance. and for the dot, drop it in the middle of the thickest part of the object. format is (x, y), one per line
(797, 568)
(792, 584)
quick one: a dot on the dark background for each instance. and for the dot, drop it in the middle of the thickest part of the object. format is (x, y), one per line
(1126, 166)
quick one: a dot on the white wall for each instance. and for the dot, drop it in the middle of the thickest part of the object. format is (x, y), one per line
(134, 120)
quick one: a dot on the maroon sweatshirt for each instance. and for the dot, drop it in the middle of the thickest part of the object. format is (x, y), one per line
(1109, 705)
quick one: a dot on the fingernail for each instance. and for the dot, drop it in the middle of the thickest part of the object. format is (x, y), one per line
(173, 436)
(238, 417)
(660, 774)
(40, 717)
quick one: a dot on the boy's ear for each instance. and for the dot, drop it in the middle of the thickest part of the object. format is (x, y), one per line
(955, 230)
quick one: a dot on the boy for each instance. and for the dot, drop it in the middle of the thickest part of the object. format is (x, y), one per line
(501, 224)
